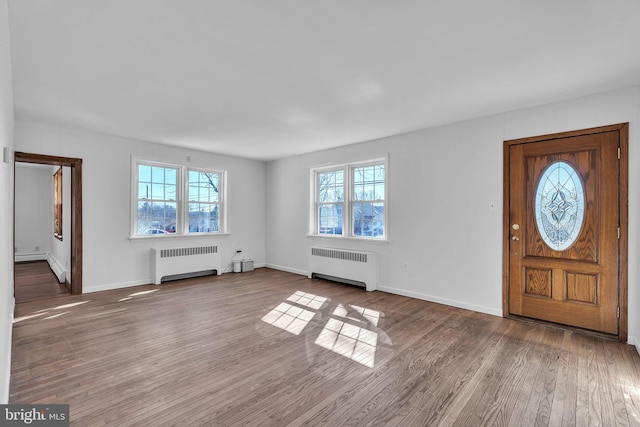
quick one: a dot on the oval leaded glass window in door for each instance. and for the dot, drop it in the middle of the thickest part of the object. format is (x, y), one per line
(559, 205)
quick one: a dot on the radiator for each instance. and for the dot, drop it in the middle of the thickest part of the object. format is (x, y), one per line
(174, 261)
(355, 267)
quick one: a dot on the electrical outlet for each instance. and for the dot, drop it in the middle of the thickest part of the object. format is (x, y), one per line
(405, 266)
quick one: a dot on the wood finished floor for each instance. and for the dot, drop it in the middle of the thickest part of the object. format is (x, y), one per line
(198, 352)
(34, 280)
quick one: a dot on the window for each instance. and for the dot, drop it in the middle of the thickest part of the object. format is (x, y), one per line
(160, 208)
(349, 200)
(204, 201)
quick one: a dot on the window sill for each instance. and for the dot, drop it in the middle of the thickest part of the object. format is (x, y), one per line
(165, 237)
(353, 239)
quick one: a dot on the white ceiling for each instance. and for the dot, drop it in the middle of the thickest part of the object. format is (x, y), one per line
(270, 79)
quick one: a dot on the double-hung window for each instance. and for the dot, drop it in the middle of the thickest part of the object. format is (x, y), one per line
(368, 200)
(350, 200)
(204, 201)
(175, 200)
(157, 199)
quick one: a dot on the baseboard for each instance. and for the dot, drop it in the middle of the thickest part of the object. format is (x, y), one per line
(287, 269)
(30, 257)
(634, 342)
(6, 356)
(57, 268)
(120, 285)
(445, 301)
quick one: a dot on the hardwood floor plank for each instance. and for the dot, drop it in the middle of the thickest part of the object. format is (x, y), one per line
(207, 351)
(34, 280)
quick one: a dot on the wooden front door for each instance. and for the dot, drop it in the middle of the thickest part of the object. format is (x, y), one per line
(563, 225)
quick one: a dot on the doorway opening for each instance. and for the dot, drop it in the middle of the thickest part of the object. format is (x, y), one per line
(75, 166)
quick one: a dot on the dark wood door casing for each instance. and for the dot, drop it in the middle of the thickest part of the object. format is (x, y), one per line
(580, 148)
(76, 208)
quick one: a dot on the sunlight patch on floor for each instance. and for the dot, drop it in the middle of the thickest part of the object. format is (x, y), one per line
(349, 340)
(346, 332)
(57, 315)
(288, 317)
(46, 311)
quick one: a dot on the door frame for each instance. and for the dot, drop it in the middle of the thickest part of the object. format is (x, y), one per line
(76, 208)
(623, 203)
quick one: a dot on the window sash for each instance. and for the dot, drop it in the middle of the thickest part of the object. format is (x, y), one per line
(201, 223)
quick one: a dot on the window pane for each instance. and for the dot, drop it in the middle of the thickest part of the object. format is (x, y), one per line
(170, 176)
(330, 218)
(368, 192)
(368, 174)
(203, 186)
(368, 183)
(170, 192)
(203, 218)
(358, 192)
(193, 193)
(379, 191)
(144, 173)
(156, 218)
(368, 219)
(330, 186)
(157, 191)
(143, 190)
(379, 173)
(157, 174)
(378, 220)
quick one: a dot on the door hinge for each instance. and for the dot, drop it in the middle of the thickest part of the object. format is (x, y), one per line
(618, 312)
(618, 153)
(618, 233)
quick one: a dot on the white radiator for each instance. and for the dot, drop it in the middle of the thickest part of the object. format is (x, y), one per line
(354, 267)
(169, 262)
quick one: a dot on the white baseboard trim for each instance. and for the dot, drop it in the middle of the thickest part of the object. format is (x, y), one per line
(287, 269)
(634, 342)
(411, 294)
(36, 256)
(120, 285)
(6, 348)
(57, 268)
(445, 301)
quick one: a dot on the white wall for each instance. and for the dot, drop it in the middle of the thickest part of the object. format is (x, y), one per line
(6, 205)
(34, 211)
(111, 259)
(441, 181)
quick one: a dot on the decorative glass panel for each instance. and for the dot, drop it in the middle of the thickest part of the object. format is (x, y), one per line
(559, 206)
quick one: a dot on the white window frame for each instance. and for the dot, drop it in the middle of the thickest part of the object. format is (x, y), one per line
(182, 200)
(348, 199)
